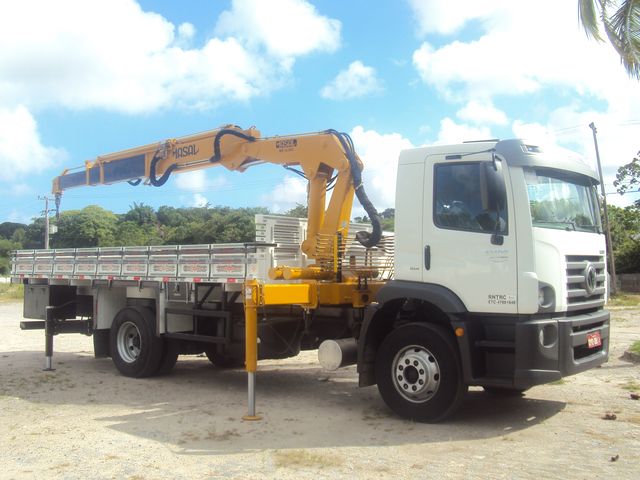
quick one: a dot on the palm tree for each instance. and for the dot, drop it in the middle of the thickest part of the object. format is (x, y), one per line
(620, 20)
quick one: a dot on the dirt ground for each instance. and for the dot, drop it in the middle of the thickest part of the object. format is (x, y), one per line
(84, 420)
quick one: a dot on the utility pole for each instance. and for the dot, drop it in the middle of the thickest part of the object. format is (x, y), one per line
(612, 264)
(46, 219)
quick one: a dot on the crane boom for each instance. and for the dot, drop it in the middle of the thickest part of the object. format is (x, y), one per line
(326, 159)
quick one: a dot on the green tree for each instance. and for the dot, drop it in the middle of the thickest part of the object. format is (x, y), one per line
(34, 234)
(620, 20)
(628, 176)
(7, 229)
(130, 234)
(299, 211)
(19, 236)
(141, 214)
(388, 217)
(5, 250)
(625, 237)
(93, 226)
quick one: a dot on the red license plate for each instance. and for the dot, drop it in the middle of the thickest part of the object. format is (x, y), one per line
(594, 340)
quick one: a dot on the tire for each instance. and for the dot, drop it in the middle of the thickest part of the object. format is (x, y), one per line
(136, 351)
(418, 373)
(170, 352)
(222, 361)
(505, 391)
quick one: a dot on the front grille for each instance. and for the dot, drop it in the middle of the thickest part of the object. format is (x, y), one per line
(581, 295)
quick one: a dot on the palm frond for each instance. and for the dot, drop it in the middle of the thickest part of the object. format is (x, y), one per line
(623, 30)
(588, 11)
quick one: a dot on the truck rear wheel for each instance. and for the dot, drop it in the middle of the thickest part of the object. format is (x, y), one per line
(135, 349)
(170, 352)
(418, 373)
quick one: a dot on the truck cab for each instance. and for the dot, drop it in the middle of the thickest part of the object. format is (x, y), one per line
(500, 258)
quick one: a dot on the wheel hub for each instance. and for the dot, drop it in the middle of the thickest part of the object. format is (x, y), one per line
(416, 373)
(129, 342)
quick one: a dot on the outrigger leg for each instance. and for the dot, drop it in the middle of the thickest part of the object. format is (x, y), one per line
(251, 345)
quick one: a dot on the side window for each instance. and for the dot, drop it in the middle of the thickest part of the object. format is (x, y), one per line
(471, 197)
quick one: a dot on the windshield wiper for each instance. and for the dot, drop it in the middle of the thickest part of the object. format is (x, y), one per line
(589, 227)
(559, 222)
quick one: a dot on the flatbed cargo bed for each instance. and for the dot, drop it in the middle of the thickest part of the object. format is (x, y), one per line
(277, 242)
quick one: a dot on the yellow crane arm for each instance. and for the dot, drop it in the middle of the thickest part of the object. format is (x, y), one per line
(324, 158)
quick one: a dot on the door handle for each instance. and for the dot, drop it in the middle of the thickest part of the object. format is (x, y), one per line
(427, 257)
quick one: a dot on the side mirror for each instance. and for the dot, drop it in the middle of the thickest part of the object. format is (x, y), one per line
(497, 195)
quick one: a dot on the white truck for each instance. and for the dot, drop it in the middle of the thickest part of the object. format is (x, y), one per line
(498, 278)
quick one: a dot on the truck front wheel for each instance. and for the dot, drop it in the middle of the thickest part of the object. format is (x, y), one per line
(418, 373)
(135, 349)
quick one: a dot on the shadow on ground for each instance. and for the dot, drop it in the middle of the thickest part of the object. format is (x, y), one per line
(197, 409)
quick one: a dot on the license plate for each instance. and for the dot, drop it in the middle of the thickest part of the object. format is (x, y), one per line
(594, 340)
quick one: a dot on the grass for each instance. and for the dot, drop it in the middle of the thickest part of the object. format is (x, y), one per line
(631, 386)
(624, 299)
(635, 347)
(11, 291)
(305, 459)
(561, 381)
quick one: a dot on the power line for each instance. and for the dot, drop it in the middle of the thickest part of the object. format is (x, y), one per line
(582, 126)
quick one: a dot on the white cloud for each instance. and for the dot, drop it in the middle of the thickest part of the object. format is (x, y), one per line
(21, 189)
(513, 57)
(21, 150)
(194, 181)
(196, 200)
(436, 16)
(285, 195)
(379, 153)
(452, 132)
(70, 55)
(533, 132)
(286, 28)
(617, 143)
(477, 112)
(526, 48)
(199, 181)
(19, 217)
(186, 31)
(199, 200)
(356, 81)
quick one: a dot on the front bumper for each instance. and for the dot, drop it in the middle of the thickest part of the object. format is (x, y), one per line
(549, 349)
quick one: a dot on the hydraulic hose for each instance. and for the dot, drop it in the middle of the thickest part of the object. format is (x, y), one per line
(158, 182)
(366, 239)
(217, 155)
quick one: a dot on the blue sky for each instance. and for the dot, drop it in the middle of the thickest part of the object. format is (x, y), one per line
(80, 78)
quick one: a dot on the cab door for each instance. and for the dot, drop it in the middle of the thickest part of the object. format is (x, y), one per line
(469, 231)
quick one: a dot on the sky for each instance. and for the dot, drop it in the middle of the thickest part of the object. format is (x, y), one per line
(82, 78)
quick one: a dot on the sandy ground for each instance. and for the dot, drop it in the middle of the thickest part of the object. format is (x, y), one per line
(86, 421)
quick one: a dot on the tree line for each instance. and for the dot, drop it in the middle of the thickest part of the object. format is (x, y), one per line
(94, 226)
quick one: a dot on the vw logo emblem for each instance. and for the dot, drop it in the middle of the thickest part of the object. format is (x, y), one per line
(590, 275)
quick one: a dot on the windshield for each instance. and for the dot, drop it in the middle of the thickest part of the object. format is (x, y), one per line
(562, 200)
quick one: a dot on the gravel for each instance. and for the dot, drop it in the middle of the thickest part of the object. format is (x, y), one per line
(84, 420)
